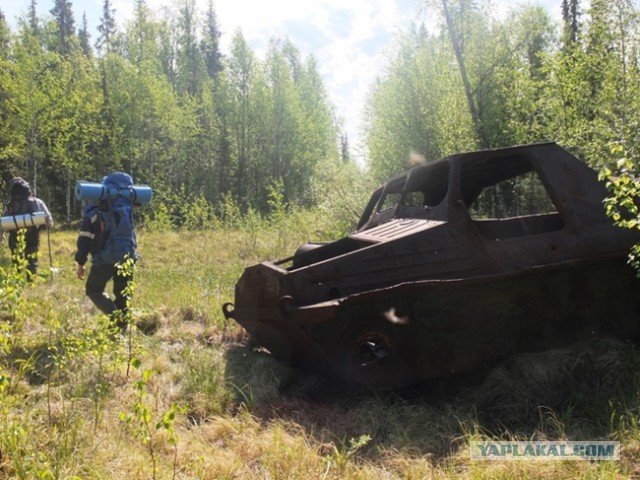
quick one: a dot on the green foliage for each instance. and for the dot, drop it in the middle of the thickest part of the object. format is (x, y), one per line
(160, 219)
(622, 206)
(22, 441)
(181, 209)
(523, 89)
(14, 307)
(340, 193)
(145, 422)
(164, 106)
(199, 215)
(230, 212)
(422, 109)
(123, 319)
(342, 454)
(278, 212)
(27, 462)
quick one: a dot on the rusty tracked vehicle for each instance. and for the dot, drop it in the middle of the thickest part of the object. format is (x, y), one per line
(454, 266)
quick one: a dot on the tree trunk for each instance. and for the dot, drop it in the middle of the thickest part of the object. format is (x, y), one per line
(455, 42)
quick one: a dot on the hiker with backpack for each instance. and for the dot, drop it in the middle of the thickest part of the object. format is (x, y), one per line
(23, 202)
(107, 233)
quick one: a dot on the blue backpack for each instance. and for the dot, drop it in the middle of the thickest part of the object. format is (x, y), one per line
(116, 222)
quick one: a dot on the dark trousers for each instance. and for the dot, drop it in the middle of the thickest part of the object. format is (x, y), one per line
(96, 283)
(32, 243)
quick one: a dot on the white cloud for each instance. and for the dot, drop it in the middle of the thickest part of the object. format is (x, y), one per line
(123, 9)
(346, 59)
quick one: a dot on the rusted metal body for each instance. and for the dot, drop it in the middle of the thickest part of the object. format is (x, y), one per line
(454, 266)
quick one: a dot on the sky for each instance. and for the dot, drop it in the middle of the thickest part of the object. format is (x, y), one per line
(349, 38)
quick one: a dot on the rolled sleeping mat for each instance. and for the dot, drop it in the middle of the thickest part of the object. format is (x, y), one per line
(94, 192)
(26, 220)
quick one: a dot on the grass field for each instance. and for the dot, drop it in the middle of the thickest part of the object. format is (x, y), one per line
(187, 396)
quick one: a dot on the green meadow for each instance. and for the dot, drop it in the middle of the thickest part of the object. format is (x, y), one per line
(187, 395)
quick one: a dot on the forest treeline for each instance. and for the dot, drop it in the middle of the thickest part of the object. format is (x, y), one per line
(157, 98)
(484, 80)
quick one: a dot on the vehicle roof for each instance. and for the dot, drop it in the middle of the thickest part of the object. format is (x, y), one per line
(469, 156)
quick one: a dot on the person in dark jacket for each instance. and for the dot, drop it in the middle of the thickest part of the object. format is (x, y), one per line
(22, 201)
(91, 241)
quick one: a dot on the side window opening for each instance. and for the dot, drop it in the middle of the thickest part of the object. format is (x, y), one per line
(506, 198)
(389, 201)
(414, 194)
(414, 199)
(428, 189)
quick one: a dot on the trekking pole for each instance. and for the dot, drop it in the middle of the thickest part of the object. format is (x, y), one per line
(50, 256)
